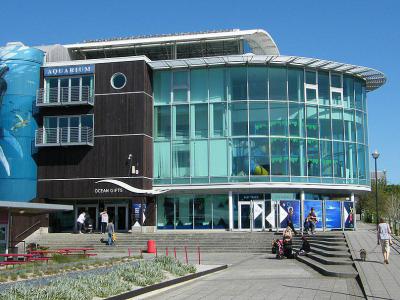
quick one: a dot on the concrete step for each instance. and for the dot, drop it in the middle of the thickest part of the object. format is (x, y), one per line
(342, 271)
(330, 260)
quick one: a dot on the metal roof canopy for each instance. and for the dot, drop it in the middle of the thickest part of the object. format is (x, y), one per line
(29, 207)
(259, 40)
(374, 78)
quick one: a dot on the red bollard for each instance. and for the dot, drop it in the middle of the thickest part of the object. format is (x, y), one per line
(175, 252)
(198, 251)
(129, 252)
(186, 255)
(156, 252)
(166, 251)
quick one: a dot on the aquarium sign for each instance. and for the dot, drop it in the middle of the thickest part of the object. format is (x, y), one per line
(69, 70)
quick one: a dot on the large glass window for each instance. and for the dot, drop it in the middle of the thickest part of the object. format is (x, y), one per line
(337, 124)
(69, 89)
(323, 88)
(278, 118)
(296, 84)
(279, 156)
(198, 85)
(312, 122)
(358, 94)
(202, 207)
(180, 121)
(351, 161)
(258, 113)
(238, 84)
(259, 157)
(326, 158)
(325, 123)
(313, 161)
(162, 87)
(361, 161)
(348, 92)
(238, 118)
(311, 77)
(360, 127)
(180, 85)
(180, 159)
(217, 84)
(162, 160)
(199, 120)
(199, 158)
(165, 213)
(277, 83)
(338, 160)
(258, 83)
(297, 157)
(218, 119)
(349, 125)
(184, 212)
(220, 211)
(296, 120)
(162, 122)
(240, 160)
(218, 158)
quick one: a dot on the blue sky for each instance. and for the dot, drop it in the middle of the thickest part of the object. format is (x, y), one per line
(361, 32)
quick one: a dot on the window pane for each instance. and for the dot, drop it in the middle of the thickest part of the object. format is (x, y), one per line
(311, 77)
(336, 81)
(258, 112)
(311, 95)
(52, 90)
(181, 121)
(258, 83)
(323, 88)
(325, 123)
(162, 120)
(238, 118)
(199, 85)
(279, 118)
(199, 158)
(184, 212)
(202, 212)
(165, 212)
(87, 121)
(296, 84)
(240, 160)
(360, 127)
(277, 83)
(218, 119)
(326, 158)
(296, 120)
(336, 98)
(180, 86)
(259, 157)
(87, 87)
(279, 156)
(349, 126)
(313, 160)
(238, 83)
(217, 84)
(312, 122)
(361, 162)
(351, 161)
(338, 160)
(162, 160)
(218, 158)
(50, 122)
(220, 211)
(358, 94)
(348, 92)
(297, 157)
(199, 120)
(180, 159)
(337, 124)
(162, 87)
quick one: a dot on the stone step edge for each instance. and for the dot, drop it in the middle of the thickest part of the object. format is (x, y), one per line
(325, 271)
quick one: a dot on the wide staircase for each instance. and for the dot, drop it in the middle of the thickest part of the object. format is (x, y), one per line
(211, 242)
(329, 254)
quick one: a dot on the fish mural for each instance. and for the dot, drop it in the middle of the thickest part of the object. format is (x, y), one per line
(3, 88)
(20, 123)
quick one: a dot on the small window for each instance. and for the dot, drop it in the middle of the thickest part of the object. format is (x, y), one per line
(311, 77)
(118, 81)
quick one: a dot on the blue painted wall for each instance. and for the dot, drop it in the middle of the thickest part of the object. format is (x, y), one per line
(19, 81)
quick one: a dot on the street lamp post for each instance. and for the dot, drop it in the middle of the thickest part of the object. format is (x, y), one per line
(375, 156)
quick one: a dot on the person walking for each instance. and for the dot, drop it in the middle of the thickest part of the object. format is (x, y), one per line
(312, 220)
(110, 231)
(290, 220)
(104, 220)
(80, 221)
(384, 239)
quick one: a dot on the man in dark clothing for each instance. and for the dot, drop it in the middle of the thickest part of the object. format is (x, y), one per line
(290, 220)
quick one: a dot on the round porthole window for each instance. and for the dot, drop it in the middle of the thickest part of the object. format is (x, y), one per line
(118, 81)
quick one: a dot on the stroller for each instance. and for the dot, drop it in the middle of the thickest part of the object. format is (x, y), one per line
(277, 248)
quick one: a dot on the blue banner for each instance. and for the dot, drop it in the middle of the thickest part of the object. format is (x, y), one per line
(317, 205)
(69, 70)
(290, 206)
(333, 218)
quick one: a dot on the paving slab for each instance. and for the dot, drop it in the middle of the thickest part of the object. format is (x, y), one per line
(380, 281)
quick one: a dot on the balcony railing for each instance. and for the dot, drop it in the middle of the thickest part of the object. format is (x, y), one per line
(74, 95)
(65, 136)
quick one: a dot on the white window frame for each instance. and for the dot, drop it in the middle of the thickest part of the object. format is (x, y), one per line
(336, 89)
(47, 79)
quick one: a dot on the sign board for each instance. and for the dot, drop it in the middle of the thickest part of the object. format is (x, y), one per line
(69, 70)
(248, 197)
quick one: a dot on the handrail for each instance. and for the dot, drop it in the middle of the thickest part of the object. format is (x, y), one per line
(29, 228)
(65, 95)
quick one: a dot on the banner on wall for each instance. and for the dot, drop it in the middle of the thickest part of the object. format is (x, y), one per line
(317, 205)
(139, 211)
(270, 212)
(286, 206)
(333, 218)
(348, 214)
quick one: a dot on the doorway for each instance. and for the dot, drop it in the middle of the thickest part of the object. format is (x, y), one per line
(93, 212)
(119, 214)
(251, 215)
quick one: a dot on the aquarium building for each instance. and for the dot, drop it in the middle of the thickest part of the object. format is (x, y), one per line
(212, 130)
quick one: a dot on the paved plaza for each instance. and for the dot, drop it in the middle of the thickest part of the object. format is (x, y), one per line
(261, 276)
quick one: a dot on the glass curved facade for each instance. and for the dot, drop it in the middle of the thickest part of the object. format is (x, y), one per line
(259, 124)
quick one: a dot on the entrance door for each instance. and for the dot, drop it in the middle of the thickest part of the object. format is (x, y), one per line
(251, 215)
(91, 210)
(3, 238)
(119, 214)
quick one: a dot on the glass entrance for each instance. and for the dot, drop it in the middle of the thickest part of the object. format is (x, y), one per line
(251, 215)
(119, 214)
(3, 238)
(92, 214)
